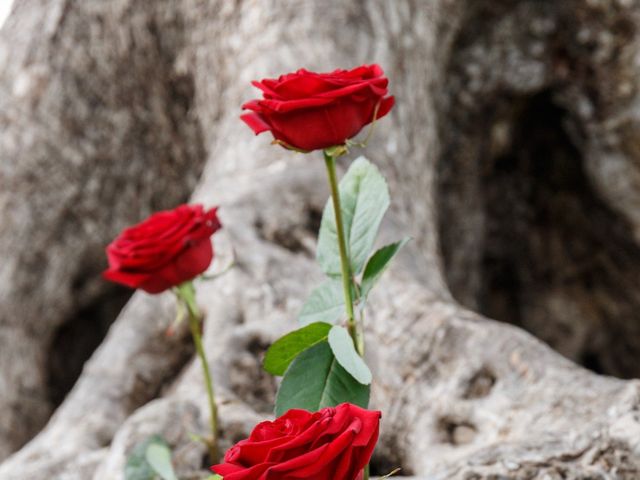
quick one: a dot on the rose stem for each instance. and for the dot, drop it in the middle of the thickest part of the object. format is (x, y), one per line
(188, 294)
(330, 161)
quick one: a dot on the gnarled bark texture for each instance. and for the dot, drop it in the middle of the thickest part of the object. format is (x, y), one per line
(513, 160)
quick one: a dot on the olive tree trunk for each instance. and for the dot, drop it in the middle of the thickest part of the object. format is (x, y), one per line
(514, 163)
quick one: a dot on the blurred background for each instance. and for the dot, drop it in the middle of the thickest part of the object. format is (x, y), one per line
(513, 158)
(5, 8)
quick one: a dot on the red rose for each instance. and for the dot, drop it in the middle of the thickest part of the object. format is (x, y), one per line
(311, 111)
(332, 444)
(168, 248)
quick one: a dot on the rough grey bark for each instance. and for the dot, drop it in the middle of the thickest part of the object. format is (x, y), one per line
(88, 146)
(483, 175)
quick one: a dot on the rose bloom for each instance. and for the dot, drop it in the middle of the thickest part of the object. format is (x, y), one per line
(332, 444)
(311, 111)
(165, 250)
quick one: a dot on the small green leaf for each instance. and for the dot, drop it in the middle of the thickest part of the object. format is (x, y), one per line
(214, 477)
(158, 456)
(139, 466)
(325, 304)
(286, 349)
(378, 263)
(315, 380)
(364, 198)
(345, 352)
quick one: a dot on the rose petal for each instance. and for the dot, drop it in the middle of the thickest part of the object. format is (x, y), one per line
(311, 111)
(166, 249)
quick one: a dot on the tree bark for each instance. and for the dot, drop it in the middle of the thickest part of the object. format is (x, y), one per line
(97, 131)
(512, 160)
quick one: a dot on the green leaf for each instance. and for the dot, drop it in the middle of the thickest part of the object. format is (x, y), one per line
(325, 304)
(378, 263)
(316, 380)
(364, 198)
(150, 460)
(286, 349)
(345, 352)
(137, 467)
(158, 456)
(214, 477)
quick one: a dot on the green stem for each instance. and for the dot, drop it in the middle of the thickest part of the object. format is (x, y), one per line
(330, 161)
(352, 326)
(187, 293)
(360, 321)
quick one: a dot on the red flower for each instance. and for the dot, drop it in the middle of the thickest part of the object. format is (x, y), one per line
(311, 111)
(166, 249)
(332, 444)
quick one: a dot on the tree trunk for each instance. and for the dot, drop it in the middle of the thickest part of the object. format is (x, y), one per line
(512, 158)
